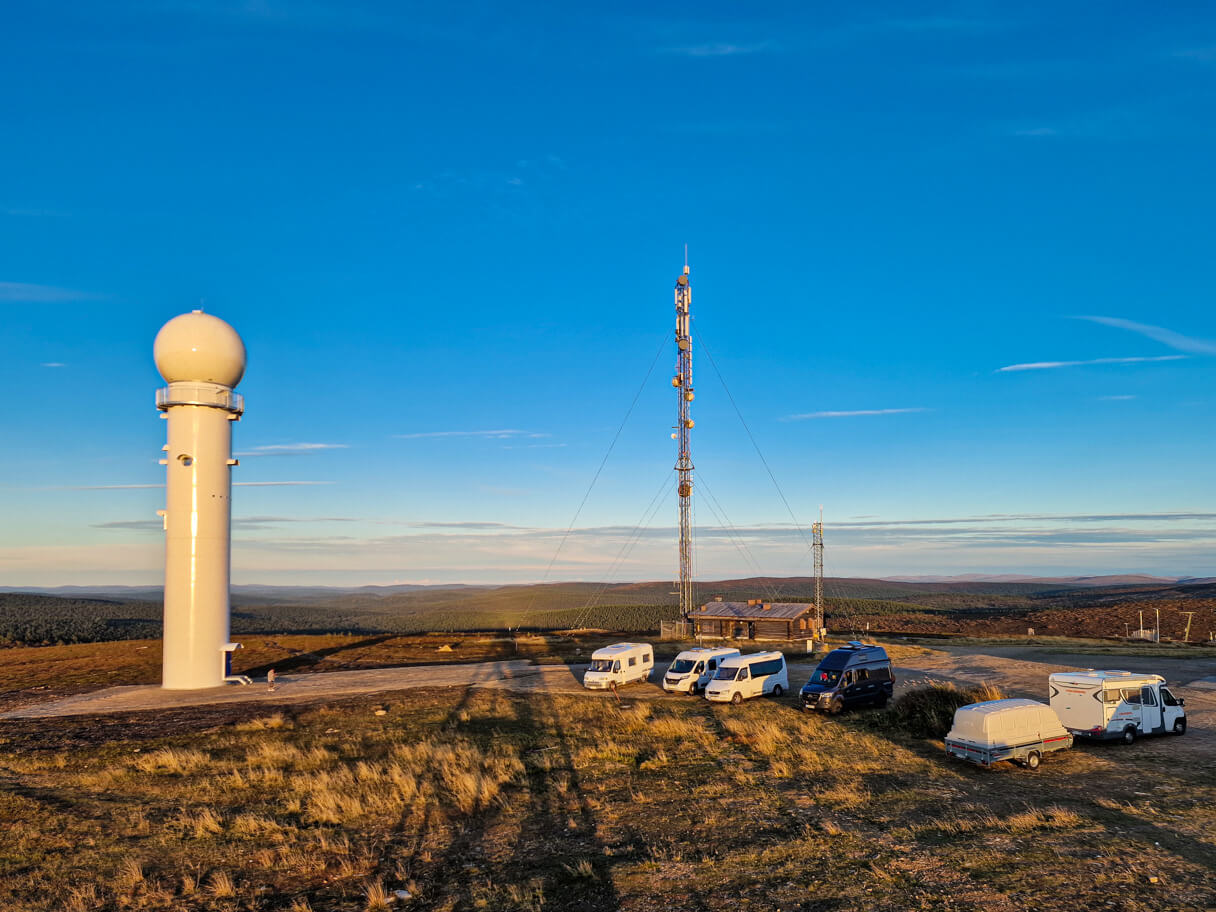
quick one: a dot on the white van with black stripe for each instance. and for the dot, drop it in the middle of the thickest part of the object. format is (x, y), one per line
(756, 675)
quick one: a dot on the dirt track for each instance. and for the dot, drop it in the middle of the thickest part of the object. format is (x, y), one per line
(1021, 671)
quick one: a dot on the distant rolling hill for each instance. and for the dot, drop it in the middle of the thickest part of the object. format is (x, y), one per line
(82, 613)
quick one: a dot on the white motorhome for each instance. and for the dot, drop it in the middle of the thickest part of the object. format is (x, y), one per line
(747, 676)
(1115, 705)
(1020, 731)
(693, 669)
(618, 665)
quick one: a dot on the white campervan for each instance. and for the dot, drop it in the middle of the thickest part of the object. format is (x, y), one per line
(749, 676)
(1110, 705)
(618, 665)
(693, 669)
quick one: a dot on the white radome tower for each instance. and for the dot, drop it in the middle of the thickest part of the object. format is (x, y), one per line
(201, 358)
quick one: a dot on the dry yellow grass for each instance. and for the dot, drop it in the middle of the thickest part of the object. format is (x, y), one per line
(172, 761)
(508, 801)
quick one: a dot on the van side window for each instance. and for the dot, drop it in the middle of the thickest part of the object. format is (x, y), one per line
(862, 675)
(713, 664)
(848, 678)
(1111, 696)
(698, 668)
(1131, 695)
(616, 666)
(646, 658)
(633, 660)
(1147, 697)
(762, 669)
(743, 675)
(1168, 698)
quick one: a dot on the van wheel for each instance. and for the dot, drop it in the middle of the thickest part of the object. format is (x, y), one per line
(1180, 726)
(777, 691)
(881, 701)
(837, 707)
(1129, 736)
(1032, 760)
(737, 698)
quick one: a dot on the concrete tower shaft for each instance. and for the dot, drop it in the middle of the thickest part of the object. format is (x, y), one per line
(192, 351)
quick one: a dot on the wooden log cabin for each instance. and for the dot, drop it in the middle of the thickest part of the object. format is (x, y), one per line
(755, 620)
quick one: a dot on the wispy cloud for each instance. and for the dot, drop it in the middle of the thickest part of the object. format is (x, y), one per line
(502, 434)
(856, 413)
(1115, 398)
(20, 291)
(1174, 340)
(719, 49)
(1052, 365)
(238, 522)
(53, 364)
(291, 449)
(235, 484)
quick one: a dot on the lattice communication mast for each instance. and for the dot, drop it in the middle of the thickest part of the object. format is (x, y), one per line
(682, 381)
(817, 548)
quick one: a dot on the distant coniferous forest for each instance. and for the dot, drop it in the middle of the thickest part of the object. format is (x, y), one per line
(33, 618)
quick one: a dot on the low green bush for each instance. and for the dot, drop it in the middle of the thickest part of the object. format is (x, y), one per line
(929, 711)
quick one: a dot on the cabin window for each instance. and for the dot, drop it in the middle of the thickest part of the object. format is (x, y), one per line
(743, 674)
(1131, 695)
(1111, 696)
(1167, 698)
(862, 675)
(848, 678)
(1147, 697)
(646, 658)
(616, 666)
(633, 660)
(700, 667)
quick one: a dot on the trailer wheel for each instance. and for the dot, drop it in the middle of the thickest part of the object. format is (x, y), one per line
(737, 698)
(777, 691)
(1032, 760)
(1180, 726)
(1129, 735)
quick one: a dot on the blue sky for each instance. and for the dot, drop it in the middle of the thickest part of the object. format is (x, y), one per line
(448, 235)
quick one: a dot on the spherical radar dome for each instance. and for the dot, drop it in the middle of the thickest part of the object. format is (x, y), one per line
(198, 346)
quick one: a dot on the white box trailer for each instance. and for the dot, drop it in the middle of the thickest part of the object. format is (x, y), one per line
(1115, 705)
(693, 669)
(618, 665)
(1020, 731)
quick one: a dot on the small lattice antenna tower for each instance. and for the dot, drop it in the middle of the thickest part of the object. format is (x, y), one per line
(817, 548)
(682, 382)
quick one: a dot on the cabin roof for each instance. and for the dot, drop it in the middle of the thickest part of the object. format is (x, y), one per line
(754, 611)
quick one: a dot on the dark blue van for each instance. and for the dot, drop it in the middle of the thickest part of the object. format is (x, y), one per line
(858, 674)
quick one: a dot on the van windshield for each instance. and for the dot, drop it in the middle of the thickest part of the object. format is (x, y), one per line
(727, 673)
(826, 676)
(601, 664)
(681, 666)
